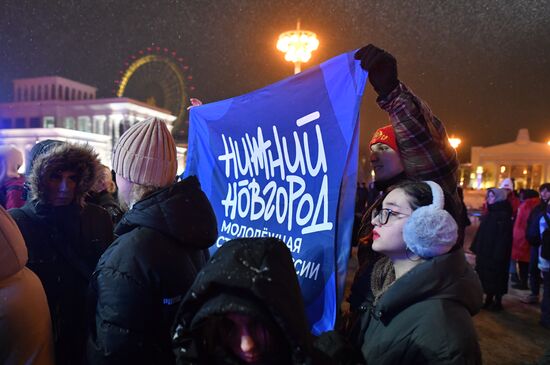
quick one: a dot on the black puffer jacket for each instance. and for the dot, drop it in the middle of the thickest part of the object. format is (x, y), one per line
(142, 277)
(425, 316)
(251, 276)
(65, 243)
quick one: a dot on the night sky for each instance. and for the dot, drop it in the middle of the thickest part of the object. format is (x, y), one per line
(483, 66)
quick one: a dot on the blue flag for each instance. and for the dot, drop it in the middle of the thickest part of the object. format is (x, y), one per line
(282, 162)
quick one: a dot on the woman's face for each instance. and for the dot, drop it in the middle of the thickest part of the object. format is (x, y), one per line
(490, 197)
(388, 237)
(247, 338)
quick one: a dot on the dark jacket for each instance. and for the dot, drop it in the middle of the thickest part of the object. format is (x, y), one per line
(425, 316)
(251, 276)
(64, 244)
(532, 233)
(493, 247)
(107, 201)
(142, 277)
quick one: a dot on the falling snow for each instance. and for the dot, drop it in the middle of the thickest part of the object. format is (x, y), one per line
(480, 64)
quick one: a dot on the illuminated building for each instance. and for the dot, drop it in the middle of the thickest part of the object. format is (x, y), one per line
(62, 109)
(523, 160)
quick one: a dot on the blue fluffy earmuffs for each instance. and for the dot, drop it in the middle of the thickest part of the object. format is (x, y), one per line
(431, 231)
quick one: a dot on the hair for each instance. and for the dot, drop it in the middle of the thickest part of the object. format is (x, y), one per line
(78, 158)
(104, 172)
(420, 194)
(545, 186)
(137, 193)
(213, 333)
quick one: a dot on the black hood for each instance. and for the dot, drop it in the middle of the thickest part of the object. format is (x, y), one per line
(447, 276)
(180, 211)
(253, 276)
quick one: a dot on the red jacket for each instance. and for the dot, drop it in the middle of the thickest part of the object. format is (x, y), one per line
(13, 189)
(520, 246)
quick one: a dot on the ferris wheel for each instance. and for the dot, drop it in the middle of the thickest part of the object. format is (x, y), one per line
(159, 77)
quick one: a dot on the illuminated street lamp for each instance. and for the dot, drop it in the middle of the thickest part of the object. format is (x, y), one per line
(297, 46)
(455, 142)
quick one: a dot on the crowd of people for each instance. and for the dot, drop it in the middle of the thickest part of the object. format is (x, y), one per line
(103, 270)
(510, 246)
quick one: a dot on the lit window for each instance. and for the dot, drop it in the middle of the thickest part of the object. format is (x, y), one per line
(70, 123)
(49, 122)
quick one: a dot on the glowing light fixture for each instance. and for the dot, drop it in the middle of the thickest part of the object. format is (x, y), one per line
(297, 46)
(455, 142)
(502, 169)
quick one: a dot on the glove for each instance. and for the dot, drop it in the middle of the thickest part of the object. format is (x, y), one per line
(381, 66)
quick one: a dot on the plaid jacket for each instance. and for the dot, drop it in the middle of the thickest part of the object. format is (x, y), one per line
(421, 138)
(426, 154)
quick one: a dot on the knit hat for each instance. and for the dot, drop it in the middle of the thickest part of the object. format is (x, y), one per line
(500, 194)
(507, 184)
(146, 154)
(385, 135)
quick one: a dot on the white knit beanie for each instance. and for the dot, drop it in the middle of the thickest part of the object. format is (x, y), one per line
(146, 154)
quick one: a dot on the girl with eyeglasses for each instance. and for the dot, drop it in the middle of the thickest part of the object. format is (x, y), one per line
(424, 315)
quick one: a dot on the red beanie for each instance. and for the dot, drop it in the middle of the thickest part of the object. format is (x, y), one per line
(385, 135)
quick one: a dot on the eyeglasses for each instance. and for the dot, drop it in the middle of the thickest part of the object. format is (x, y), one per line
(384, 214)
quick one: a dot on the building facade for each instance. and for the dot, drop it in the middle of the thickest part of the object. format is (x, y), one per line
(59, 108)
(525, 161)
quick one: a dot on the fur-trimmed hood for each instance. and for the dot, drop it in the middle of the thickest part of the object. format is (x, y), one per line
(81, 159)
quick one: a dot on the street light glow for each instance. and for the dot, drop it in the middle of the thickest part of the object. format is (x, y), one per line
(297, 45)
(455, 142)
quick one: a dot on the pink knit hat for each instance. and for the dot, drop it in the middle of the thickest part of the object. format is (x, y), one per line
(146, 154)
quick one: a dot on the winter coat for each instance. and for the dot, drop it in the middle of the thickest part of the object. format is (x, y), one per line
(493, 247)
(11, 182)
(13, 190)
(107, 201)
(426, 155)
(25, 326)
(250, 276)
(65, 244)
(142, 277)
(532, 233)
(425, 316)
(520, 246)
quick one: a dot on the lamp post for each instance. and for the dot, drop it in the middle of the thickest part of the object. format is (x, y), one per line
(455, 142)
(297, 46)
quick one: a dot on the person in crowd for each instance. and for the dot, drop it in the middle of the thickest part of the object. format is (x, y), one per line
(102, 194)
(65, 237)
(493, 247)
(361, 197)
(544, 267)
(532, 235)
(37, 150)
(508, 185)
(415, 145)
(161, 246)
(424, 316)
(11, 181)
(245, 308)
(520, 246)
(463, 220)
(25, 325)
